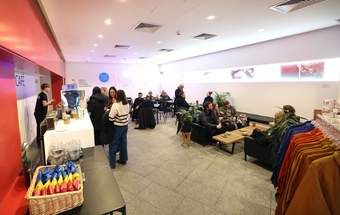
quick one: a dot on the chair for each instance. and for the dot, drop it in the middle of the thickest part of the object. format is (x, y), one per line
(263, 153)
(200, 134)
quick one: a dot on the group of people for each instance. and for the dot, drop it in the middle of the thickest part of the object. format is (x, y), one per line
(142, 109)
(223, 118)
(109, 113)
(216, 119)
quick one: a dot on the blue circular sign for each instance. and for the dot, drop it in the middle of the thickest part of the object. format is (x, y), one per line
(104, 77)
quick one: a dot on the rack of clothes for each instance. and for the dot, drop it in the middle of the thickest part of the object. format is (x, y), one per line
(306, 173)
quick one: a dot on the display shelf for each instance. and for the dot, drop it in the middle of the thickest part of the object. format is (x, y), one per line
(334, 122)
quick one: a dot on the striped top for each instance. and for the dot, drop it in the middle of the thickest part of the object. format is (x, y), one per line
(119, 114)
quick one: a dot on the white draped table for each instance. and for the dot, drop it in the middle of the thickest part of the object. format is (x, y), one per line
(80, 130)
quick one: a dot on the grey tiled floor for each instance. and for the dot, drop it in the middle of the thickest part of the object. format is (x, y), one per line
(162, 177)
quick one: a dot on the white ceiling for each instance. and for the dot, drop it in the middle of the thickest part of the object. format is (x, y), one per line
(77, 24)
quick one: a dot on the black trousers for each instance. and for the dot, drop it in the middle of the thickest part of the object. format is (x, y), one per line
(38, 120)
(97, 137)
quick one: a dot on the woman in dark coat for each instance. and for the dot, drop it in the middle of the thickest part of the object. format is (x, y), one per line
(95, 107)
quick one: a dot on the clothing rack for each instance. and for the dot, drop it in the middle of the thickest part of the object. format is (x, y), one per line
(308, 165)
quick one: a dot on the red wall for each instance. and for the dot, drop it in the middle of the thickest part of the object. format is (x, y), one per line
(23, 32)
(57, 83)
(12, 187)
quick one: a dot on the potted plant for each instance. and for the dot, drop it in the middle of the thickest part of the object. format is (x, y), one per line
(221, 97)
(186, 120)
(186, 123)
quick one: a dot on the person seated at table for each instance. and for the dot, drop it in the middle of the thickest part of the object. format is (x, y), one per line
(209, 119)
(283, 119)
(136, 106)
(164, 96)
(181, 103)
(229, 116)
(209, 98)
(150, 96)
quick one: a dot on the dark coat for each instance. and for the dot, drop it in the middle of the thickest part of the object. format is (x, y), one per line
(208, 99)
(180, 103)
(95, 107)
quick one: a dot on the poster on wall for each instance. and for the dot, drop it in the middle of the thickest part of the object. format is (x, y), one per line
(27, 87)
(241, 74)
(313, 70)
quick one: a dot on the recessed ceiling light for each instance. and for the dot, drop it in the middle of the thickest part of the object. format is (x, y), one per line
(261, 30)
(107, 21)
(95, 44)
(100, 35)
(159, 42)
(211, 17)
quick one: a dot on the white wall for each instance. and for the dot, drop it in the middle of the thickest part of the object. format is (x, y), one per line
(132, 78)
(262, 98)
(320, 44)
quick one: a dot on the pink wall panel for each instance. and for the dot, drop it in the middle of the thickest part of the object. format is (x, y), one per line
(23, 32)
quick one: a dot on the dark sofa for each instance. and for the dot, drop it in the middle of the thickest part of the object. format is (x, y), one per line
(257, 118)
(260, 152)
(200, 134)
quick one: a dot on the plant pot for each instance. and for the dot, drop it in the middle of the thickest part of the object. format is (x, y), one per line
(186, 127)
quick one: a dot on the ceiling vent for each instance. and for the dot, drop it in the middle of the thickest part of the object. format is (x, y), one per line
(204, 36)
(147, 27)
(122, 46)
(292, 5)
(143, 57)
(165, 50)
(110, 56)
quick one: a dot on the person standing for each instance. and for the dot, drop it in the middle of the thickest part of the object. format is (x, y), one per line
(119, 115)
(95, 107)
(112, 97)
(178, 91)
(209, 98)
(41, 107)
(136, 105)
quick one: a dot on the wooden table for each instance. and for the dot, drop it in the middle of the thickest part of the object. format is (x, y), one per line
(237, 136)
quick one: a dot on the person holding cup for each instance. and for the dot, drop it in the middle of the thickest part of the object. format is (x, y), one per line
(209, 119)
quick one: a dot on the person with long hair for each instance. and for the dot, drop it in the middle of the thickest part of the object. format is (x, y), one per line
(112, 97)
(119, 115)
(95, 107)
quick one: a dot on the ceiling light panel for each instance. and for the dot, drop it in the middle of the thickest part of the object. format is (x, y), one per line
(147, 27)
(205, 36)
(166, 50)
(292, 5)
(121, 46)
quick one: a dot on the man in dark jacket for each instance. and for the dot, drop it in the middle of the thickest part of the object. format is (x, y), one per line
(208, 98)
(95, 107)
(136, 106)
(209, 119)
(181, 103)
